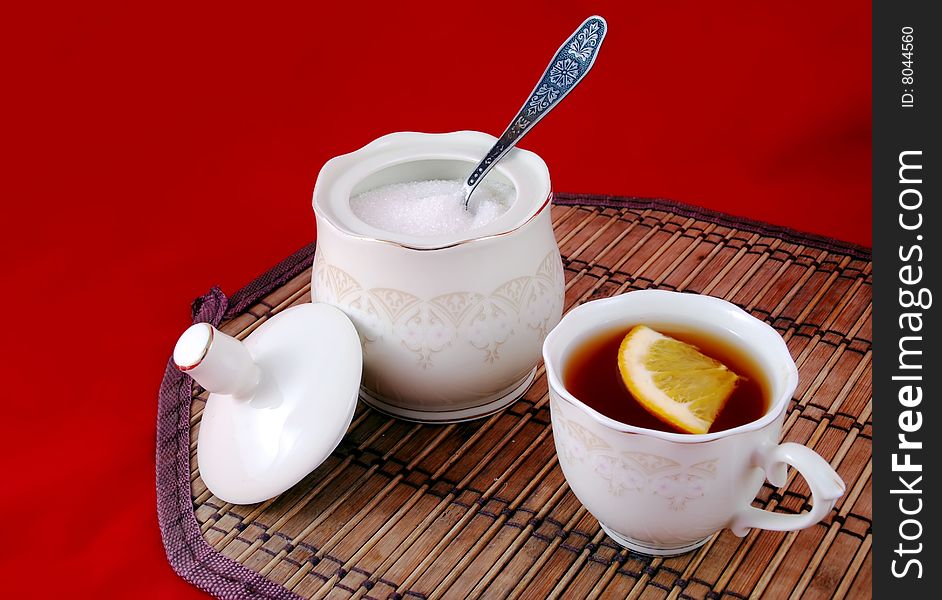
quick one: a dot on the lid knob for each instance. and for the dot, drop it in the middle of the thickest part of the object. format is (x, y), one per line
(218, 362)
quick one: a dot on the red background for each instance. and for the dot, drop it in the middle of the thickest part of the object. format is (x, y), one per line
(157, 150)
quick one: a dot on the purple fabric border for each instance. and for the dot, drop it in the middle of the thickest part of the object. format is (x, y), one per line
(188, 553)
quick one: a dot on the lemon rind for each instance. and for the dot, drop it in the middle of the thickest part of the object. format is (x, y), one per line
(640, 382)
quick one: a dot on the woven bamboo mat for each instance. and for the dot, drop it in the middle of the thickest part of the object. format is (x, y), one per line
(482, 509)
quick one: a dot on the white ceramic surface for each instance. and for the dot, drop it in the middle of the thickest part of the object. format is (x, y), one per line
(666, 493)
(451, 326)
(280, 401)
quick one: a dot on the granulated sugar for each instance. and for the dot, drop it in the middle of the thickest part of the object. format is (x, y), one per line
(427, 208)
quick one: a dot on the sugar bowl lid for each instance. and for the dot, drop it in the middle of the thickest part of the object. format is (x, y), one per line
(280, 401)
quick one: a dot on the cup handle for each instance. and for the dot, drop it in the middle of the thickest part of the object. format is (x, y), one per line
(826, 487)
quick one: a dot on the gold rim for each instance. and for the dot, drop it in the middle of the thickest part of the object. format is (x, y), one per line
(209, 342)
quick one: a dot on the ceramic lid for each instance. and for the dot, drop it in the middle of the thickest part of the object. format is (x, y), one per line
(280, 401)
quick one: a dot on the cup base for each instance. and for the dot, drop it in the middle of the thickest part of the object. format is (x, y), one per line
(651, 549)
(451, 416)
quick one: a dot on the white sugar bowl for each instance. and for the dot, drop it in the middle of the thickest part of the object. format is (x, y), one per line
(451, 325)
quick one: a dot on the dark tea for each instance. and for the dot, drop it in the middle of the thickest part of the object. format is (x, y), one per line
(592, 376)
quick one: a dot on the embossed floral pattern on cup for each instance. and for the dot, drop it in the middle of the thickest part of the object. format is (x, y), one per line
(633, 472)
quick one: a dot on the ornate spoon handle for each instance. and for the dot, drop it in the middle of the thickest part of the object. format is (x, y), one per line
(570, 64)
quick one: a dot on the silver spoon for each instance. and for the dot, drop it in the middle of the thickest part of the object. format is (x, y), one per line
(570, 64)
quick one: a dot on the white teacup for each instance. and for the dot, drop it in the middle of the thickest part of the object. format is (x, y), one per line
(667, 493)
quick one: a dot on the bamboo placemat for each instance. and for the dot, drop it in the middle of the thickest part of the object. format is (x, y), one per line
(482, 509)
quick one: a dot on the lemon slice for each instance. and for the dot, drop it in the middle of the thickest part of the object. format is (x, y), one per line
(673, 380)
